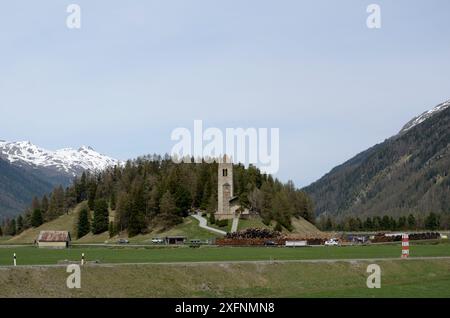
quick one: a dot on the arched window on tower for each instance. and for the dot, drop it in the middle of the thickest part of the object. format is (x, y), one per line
(224, 172)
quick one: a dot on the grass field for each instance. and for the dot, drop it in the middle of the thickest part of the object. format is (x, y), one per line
(32, 255)
(412, 278)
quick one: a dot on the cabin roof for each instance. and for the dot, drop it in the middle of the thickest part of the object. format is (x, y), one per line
(54, 236)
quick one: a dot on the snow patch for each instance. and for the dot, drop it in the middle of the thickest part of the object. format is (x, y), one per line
(424, 116)
(68, 160)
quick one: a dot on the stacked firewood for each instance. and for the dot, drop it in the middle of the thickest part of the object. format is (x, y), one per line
(254, 234)
(382, 238)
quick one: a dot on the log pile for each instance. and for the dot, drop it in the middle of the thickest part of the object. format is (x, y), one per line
(261, 237)
(382, 238)
(254, 234)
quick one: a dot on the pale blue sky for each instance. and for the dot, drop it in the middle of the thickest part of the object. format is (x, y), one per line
(138, 69)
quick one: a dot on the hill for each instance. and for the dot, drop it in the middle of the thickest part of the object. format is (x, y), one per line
(64, 222)
(300, 226)
(407, 173)
(154, 192)
(67, 222)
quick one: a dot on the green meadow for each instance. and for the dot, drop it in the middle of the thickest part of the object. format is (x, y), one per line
(35, 256)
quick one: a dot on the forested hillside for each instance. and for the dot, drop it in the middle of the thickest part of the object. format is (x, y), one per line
(406, 174)
(153, 191)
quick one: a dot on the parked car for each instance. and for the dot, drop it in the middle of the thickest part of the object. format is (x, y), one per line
(270, 243)
(157, 240)
(123, 241)
(332, 242)
(195, 243)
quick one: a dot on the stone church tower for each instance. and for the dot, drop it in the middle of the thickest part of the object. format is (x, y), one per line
(225, 189)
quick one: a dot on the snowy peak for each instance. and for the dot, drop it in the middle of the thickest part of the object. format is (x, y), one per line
(424, 116)
(67, 160)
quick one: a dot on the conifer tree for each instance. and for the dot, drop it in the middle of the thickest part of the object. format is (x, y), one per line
(411, 222)
(19, 224)
(169, 210)
(12, 228)
(36, 218)
(44, 204)
(83, 226)
(100, 221)
(111, 229)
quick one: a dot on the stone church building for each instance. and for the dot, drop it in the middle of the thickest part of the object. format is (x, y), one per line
(228, 205)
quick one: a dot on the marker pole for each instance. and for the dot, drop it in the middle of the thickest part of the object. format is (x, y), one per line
(15, 259)
(405, 245)
(82, 258)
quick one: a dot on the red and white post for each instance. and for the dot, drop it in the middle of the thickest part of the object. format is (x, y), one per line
(405, 245)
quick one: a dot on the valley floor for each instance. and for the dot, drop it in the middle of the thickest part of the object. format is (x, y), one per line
(27, 255)
(227, 271)
(412, 278)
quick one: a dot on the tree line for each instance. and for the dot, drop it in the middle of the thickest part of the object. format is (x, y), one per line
(153, 191)
(431, 221)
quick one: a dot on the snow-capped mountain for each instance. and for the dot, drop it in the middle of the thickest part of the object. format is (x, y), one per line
(424, 116)
(68, 161)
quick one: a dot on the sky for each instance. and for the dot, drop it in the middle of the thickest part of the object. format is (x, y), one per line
(136, 70)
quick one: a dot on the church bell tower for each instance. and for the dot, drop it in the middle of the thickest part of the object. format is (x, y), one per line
(225, 188)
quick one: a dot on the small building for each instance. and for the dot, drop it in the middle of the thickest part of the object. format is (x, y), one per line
(54, 239)
(175, 240)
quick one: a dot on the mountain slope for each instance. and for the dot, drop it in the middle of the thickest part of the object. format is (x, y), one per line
(27, 170)
(407, 173)
(18, 187)
(65, 161)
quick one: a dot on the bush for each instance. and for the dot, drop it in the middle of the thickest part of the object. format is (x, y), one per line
(278, 227)
(212, 218)
(222, 223)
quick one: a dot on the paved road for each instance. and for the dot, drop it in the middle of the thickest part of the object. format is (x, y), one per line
(263, 262)
(235, 224)
(203, 223)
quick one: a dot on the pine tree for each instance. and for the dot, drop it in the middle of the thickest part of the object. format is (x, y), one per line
(111, 229)
(411, 222)
(12, 228)
(328, 224)
(432, 222)
(19, 224)
(1, 231)
(36, 204)
(44, 204)
(113, 200)
(92, 191)
(81, 188)
(169, 210)
(136, 220)
(100, 221)
(83, 226)
(36, 218)
(56, 206)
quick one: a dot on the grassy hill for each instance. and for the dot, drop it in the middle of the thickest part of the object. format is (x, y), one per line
(67, 222)
(300, 226)
(189, 228)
